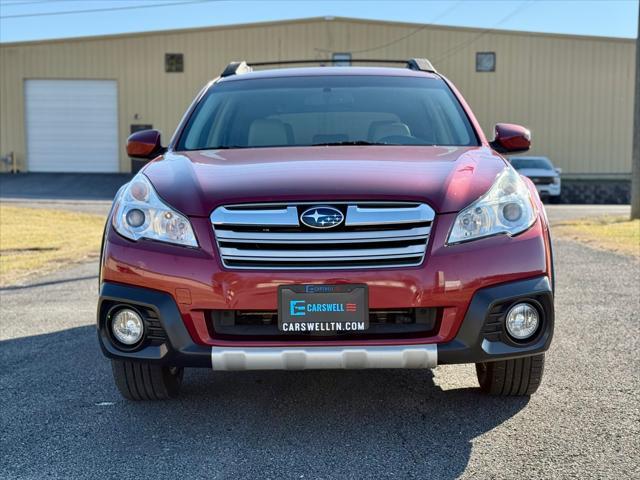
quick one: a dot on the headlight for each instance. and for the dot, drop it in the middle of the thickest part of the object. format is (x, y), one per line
(505, 208)
(140, 213)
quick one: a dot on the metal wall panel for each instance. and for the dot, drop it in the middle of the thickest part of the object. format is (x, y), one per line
(575, 93)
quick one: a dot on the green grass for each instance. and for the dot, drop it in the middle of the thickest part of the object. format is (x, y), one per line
(618, 234)
(36, 241)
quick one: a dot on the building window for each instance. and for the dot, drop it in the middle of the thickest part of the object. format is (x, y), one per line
(485, 61)
(341, 59)
(137, 127)
(173, 62)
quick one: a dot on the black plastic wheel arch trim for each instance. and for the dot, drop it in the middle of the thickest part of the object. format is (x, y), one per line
(179, 350)
(470, 346)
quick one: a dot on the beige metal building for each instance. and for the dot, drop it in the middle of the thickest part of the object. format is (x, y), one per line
(69, 105)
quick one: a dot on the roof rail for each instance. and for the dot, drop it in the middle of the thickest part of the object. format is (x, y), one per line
(421, 64)
(237, 68)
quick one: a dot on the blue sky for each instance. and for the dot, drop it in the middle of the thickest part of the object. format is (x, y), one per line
(612, 18)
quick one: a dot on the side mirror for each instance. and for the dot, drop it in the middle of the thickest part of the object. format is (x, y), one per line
(511, 138)
(558, 171)
(145, 144)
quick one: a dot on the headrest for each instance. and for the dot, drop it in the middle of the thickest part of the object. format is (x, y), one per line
(265, 132)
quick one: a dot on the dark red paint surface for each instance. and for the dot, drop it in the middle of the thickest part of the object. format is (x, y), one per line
(144, 144)
(447, 178)
(447, 279)
(512, 138)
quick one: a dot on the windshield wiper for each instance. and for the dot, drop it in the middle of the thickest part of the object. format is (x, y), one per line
(347, 142)
(322, 144)
(226, 147)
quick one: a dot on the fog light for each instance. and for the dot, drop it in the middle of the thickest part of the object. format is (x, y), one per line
(127, 326)
(522, 321)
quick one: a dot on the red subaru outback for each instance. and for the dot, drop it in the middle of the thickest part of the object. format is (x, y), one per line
(322, 218)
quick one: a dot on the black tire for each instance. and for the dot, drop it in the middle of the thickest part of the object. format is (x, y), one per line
(521, 376)
(144, 381)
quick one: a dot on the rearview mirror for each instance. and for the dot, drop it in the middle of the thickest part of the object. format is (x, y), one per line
(511, 138)
(145, 144)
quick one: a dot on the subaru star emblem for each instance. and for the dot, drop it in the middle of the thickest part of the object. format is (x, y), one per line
(322, 217)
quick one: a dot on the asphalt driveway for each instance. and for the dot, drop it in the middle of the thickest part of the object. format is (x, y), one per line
(62, 417)
(61, 186)
(78, 192)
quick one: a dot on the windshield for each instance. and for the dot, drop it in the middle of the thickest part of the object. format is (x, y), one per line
(541, 163)
(327, 110)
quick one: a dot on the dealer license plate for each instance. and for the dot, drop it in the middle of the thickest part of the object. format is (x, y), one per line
(323, 308)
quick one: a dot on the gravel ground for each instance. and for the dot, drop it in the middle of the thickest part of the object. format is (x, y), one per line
(61, 416)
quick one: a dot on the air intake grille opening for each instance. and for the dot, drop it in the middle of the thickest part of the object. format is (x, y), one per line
(369, 235)
(263, 325)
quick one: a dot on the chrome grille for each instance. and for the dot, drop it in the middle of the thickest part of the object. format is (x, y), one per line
(271, 236)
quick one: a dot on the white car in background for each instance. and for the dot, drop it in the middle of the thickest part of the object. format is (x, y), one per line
(542, 173)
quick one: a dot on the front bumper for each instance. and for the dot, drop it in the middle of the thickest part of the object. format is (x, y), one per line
(550, 190)
(199, 284)
(310, 358)
(481, 337)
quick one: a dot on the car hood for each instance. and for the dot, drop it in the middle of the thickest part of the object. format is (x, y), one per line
(447, 178)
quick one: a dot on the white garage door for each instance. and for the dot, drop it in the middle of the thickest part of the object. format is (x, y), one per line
(72, 125)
